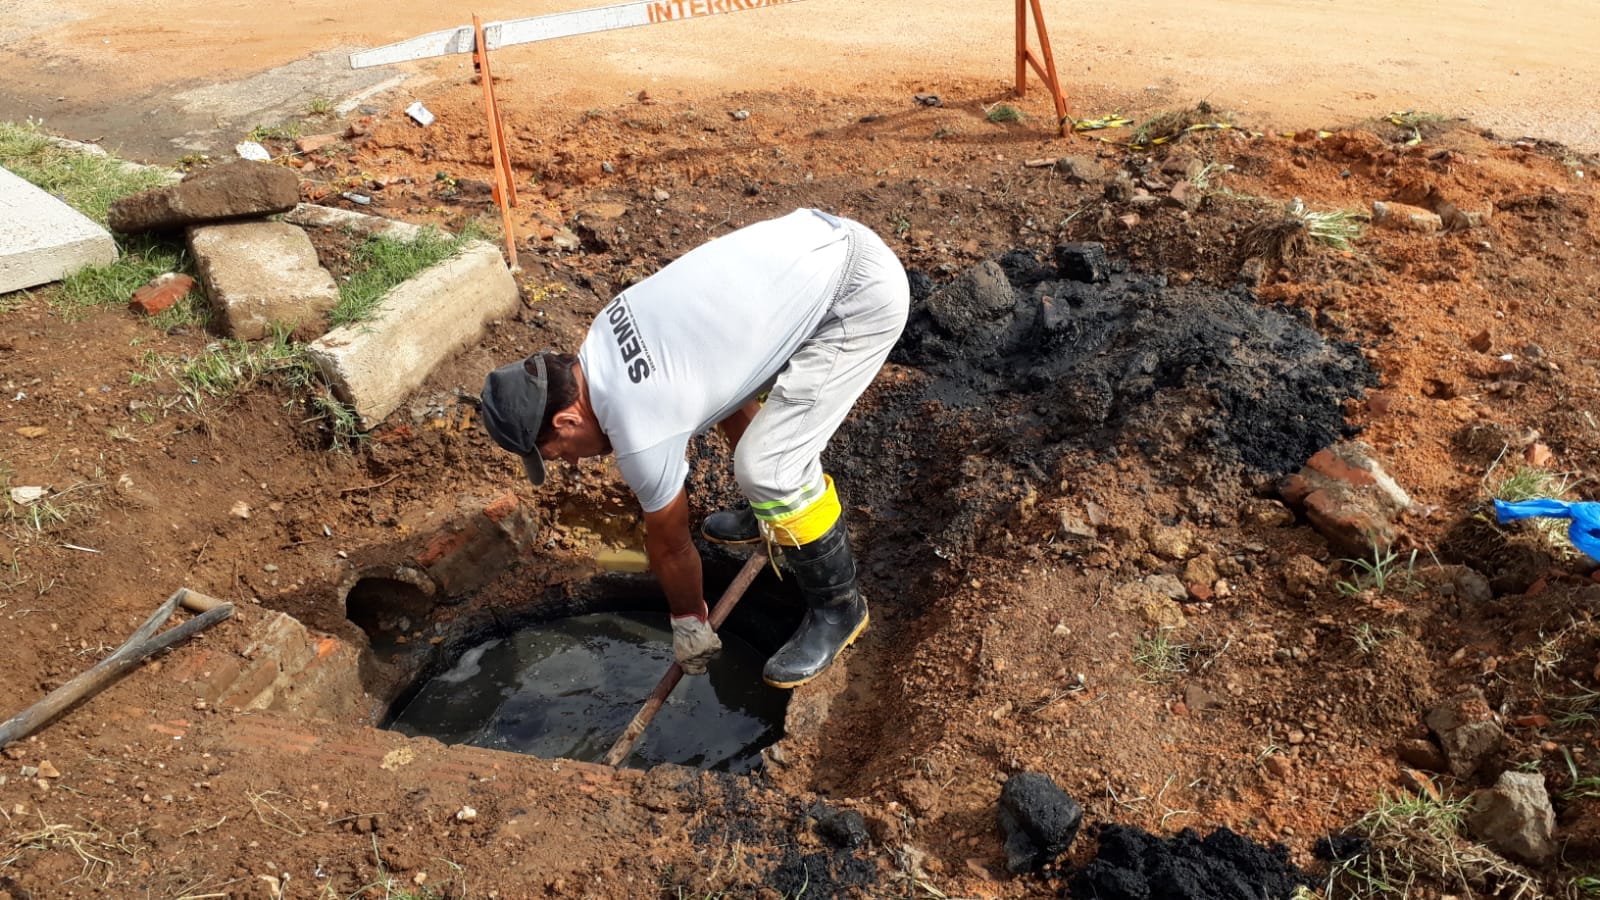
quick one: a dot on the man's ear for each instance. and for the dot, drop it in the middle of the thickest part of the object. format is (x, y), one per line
(567, 417)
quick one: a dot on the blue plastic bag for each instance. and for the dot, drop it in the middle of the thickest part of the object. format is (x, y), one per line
(1585, 516)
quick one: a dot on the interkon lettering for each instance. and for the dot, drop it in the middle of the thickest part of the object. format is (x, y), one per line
(668, 10)
(635, 356)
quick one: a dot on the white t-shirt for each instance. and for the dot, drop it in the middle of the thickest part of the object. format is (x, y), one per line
(678, 352)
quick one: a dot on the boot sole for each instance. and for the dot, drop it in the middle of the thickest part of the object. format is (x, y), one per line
(731, 542)
(847, 642)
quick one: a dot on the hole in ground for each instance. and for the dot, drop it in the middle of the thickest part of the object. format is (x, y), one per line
(561, 676)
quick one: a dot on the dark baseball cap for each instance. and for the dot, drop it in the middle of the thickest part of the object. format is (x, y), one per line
(513, 410)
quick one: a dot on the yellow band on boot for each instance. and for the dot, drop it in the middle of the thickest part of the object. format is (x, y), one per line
(802, 526)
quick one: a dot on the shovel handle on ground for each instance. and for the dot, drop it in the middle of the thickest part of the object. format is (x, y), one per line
(652, 705)
(141, 645)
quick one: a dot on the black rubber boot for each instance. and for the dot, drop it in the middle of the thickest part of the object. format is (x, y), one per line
(731, 526)
(835, 613)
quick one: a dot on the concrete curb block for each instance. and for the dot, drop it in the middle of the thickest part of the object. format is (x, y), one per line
(312, 215)
(373, 366)
(43, 239)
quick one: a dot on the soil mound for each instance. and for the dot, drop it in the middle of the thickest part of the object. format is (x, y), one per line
(1176, 368)
(1133, 864)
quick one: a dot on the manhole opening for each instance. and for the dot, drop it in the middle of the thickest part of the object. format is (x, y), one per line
(562, 678)
(388, 610)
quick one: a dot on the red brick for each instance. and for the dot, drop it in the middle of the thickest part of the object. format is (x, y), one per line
(315, 142)
(502, 506)
(161, 293)
(1329, 464)
(441, 546)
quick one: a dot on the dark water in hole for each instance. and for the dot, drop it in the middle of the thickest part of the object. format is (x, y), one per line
(567, 687)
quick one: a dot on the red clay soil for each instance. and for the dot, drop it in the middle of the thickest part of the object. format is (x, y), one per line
(994, 647)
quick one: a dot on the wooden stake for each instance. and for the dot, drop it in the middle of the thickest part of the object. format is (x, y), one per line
(652, 704)
(505, 188)
(1026, 58)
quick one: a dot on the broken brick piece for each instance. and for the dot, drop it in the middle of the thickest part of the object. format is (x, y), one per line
(159, 295)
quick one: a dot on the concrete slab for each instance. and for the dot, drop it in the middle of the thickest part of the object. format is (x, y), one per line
(375, 365)
(261, 273)
(311, 215)
(43, 239)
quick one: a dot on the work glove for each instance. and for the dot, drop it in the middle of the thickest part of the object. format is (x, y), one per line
(693, 643)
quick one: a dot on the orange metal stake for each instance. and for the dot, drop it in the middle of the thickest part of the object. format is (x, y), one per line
(1026, 57)
(505, 188)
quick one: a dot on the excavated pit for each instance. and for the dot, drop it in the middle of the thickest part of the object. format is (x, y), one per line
(560, 674)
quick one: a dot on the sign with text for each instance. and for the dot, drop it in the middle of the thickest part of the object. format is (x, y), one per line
(555, 25)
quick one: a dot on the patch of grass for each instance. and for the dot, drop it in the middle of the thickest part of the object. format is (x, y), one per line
(1524, 482)
(1583, 787)
(227, 368)
(1003, 112)
(1368, 639)
(382, 262)
(87, 182)
(1414, 841)
(319, 106)
(1337, 228)
(94, 287)
(1162, 658)
(1571, 710)
(1386, 572)
(90, 183)
(283, 131)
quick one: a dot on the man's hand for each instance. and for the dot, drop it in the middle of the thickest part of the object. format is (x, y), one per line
(693, 643)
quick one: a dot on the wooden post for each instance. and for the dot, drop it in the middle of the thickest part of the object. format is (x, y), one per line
(652, 704)
(1026, 58)
(505, 188)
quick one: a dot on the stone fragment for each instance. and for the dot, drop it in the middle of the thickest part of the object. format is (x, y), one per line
(1083, 261)
(843, 829)
(979, 297)
(1081, 169)
(1038, 819)
(161, 293)
(1515, 818)
(262, 274)
(1421, 753)
(1303, 576)
(43, 239)
(235, 190)
(1266, 513)
(1403, 217)
(1173, 542)
(1073, 527)
(313, 142)
(1348, 497)
(1201, 570)
(1154, 603)
(1468, 731)
(1185, 195)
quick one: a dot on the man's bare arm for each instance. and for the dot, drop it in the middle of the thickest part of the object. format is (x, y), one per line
(674, 558)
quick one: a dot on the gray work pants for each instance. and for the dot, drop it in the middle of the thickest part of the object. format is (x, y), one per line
(778, 461)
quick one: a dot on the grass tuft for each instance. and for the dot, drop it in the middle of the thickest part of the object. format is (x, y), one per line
(1162, 658)
(380, 263)
(1534, 483)
(1003, 112)
(88, 182)
(1337, 228)
(1415, 841)
(1387, 572)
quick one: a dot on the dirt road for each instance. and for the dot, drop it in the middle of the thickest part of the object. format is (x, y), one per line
(163, 77)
